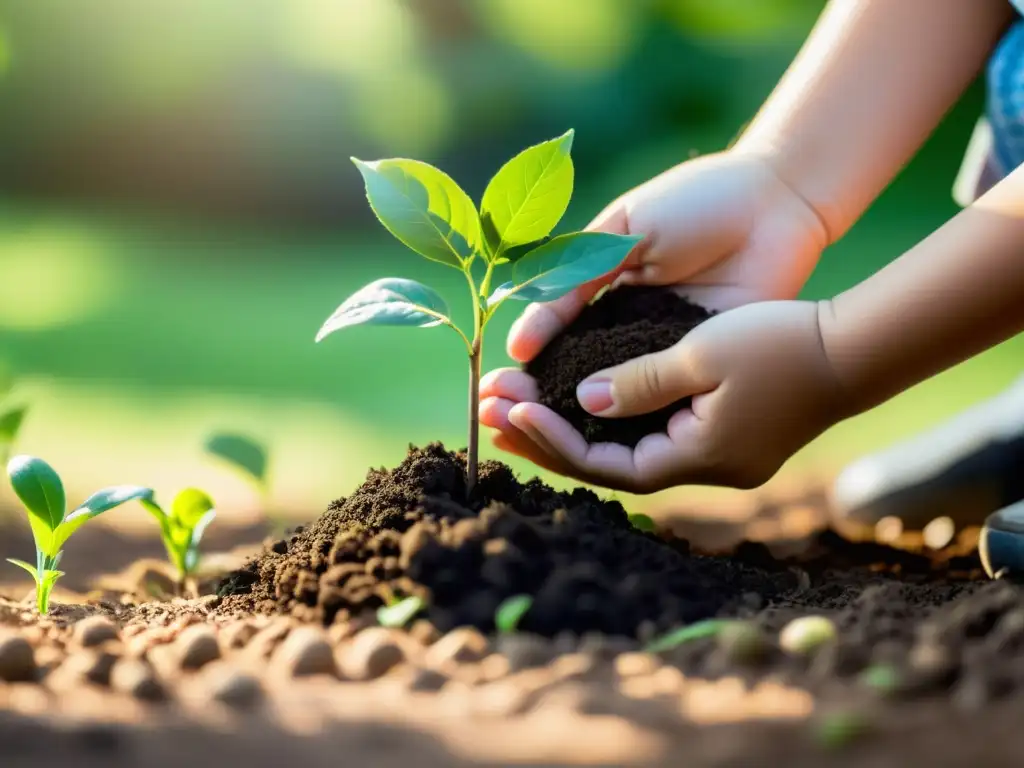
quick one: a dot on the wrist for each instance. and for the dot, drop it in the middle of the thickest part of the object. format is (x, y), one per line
(803, 185)
(844, 382)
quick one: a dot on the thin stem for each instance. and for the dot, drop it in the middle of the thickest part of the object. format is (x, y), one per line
(485, 286)
(473, 459)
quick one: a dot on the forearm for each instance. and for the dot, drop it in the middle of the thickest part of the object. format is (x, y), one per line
(873, 80)
(957, 293)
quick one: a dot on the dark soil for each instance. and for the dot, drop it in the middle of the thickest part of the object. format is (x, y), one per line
(412, 531)
(621, 325)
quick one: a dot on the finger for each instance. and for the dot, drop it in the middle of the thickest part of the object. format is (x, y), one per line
(644, 384)
(494, 413)
(509, 383)
(605, 464)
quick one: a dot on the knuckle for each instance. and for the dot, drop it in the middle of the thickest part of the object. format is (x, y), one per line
(648, 378)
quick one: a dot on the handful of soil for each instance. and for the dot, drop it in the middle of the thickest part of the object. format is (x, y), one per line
(624, 324)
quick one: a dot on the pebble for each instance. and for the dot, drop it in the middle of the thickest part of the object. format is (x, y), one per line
(636, 664)
(806, 635)
(93, 631)
(265, 641)
(304, 653)
(17, 661)
(525, 651)
(742, 642)
(460, 646)
(372, 653)
(92, 666)
(425, 680)
(137, 679)
(196, 647)
(231, 686)
(424, 632)
(237, 635)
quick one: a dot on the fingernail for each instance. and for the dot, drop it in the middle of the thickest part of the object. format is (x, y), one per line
(595, 395)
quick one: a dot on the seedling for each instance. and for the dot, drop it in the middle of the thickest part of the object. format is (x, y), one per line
(806, 635)
(511, 612)
(687, 634)
(249, 458)
(642, 522)
(511, 233)
(11, 417)
(182, 528)
(400, 612)
(40, 489)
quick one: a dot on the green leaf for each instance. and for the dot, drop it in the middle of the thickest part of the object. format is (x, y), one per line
(192, 554)
(529, 195)
(564, 263)
(22, 564)
(97, 504)
(401, 613)
(702, 629)
(424, 208)
(10, 423)
(642, 522)
(189, 506)
(241, 452)
(511, 612)
(38, 486)
(388, 301)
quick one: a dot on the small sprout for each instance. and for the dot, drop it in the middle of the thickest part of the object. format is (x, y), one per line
(40, 489)
(511, 612)
(432, 215)
(883, 678)
(839, 729)
(11, 417)
(183, 527)
(642, 522)
(398, 613)
(242, 453)
(804, 636)
(697, 631)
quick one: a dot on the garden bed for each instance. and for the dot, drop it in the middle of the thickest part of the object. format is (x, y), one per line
(285, 662)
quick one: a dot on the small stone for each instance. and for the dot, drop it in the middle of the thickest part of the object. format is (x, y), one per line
(196, 647)
(94, 631)
(232, 687)
(806, 635)
(426, 680)
(266, 640)
(137, 679)
(372, 653)
(237, 635)
(86, 666)
(424, 631)
(17, 660)
(525, 651)
(636, 664)
(460, 646)
(304, 653)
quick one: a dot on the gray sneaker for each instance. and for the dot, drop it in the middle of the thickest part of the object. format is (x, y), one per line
(967, 469)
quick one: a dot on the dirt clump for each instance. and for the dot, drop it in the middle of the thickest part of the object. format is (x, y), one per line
(624, 324)
(413, 531)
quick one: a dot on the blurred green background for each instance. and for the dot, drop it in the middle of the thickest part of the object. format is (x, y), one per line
(178, 213)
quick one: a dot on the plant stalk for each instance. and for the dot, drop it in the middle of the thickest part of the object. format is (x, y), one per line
(473, 459)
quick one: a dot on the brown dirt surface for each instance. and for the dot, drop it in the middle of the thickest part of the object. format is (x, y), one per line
(413, 531)
(623, 324)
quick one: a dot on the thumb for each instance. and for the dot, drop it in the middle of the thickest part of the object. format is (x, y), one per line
(643, 385)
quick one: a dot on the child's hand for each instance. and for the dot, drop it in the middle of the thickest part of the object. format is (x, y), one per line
(724, 228)
(762, 388)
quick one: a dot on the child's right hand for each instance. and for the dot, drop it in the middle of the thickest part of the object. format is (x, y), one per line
(723, 228)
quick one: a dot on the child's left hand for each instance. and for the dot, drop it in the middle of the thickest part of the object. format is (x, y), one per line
(762, 388)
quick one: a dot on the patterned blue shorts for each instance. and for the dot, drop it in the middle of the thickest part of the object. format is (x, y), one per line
(1005, 101)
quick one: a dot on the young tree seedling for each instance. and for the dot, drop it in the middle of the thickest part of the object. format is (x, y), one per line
(250, 459)
(510, 233)
(642, 522)
(182, 528)
(511, 612)
(40, 489)
(11, 417)
(687, 634)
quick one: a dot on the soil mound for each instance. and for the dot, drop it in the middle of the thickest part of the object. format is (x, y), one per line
(623, 324)
(413, 531)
